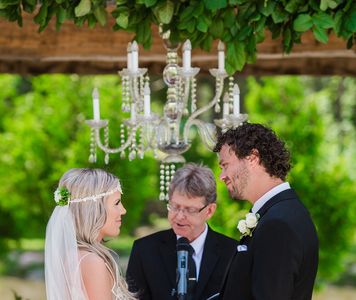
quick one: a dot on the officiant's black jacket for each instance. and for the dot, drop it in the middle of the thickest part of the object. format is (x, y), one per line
(279, 261)
(153, 262)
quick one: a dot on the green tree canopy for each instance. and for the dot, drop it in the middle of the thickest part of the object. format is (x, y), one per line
(43, 134)
(240, 24)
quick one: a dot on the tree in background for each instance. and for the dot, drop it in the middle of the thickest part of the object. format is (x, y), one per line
(43, 134)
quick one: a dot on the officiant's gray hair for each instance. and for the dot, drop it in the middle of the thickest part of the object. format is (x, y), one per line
(194, 180)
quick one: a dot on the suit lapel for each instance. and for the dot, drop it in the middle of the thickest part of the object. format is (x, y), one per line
(169, 256)
(284, 195)
(210, 257)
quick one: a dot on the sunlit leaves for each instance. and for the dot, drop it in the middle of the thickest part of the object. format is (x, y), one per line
(83, 8)
(302, 23)
(204, 21)
(325, 4)
(164, 12)
(320, 34)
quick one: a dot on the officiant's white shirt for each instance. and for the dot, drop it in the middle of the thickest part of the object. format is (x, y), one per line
(198, 246)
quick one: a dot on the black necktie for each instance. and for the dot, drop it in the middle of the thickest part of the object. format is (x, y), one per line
(192, 283)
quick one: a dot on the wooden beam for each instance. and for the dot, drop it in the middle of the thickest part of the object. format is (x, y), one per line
(103, 51)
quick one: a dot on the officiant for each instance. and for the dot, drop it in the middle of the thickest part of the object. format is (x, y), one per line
(152, 266)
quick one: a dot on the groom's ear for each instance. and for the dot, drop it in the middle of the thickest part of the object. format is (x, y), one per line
(254, 157)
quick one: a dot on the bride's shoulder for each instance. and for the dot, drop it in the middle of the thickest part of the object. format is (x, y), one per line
(91, 261)
(95, 275)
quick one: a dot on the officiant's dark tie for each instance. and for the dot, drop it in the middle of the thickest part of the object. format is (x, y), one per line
(192, 283)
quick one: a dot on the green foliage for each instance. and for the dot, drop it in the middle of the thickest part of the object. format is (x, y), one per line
(43, 134)
(323, 156)
(241, 24)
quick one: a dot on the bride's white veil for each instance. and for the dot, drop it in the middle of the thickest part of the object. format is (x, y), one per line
(63, 276)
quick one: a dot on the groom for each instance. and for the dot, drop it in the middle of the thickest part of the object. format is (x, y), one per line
(277, 258)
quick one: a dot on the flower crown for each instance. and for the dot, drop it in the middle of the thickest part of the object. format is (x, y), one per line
(62, 196)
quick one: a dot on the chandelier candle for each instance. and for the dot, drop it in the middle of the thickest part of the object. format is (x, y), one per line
(129, 57)
(96, 107)
(187, 48)
(236, 93)
(226, 105)
(167, 134)
(134, 56)
(221, 57)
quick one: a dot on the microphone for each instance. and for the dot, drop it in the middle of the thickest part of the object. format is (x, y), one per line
(182, 268)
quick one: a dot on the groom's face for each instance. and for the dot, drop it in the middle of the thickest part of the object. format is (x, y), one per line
(234, 173)
(188, 215)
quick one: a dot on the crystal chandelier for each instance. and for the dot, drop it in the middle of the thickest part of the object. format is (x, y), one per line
(167, 135)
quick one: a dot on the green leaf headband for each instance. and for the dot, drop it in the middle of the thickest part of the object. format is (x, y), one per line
(62, 196)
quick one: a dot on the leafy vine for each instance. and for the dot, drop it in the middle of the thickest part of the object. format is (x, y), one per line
(240, 24)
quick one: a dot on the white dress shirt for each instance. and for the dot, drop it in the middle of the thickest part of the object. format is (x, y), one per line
(267, 196)
(198, 246)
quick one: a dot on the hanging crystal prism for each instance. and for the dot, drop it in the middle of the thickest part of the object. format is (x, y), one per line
(194, 95)
(217, 87)
(162, 195)
(92, 156)
(122, 140)
(231, 92)
(141, 147)
(125, 106)
(133, 147)
(106, 141)
(167, 181)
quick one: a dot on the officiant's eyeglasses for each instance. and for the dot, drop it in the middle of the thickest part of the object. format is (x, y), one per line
(186, 211)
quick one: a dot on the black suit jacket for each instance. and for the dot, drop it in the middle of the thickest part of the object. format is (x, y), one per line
(152, 265)
(281, 258)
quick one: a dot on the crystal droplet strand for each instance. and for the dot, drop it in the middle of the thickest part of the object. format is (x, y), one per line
(194, 95)
(217, 87)
(231, 92)
(161, 183)
(106, 140)
(167, 180)
(92, 156)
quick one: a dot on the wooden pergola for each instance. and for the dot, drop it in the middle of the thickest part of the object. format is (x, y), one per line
(103, 51)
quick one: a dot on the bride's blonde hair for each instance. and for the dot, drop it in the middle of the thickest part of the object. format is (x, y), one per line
(90, 216)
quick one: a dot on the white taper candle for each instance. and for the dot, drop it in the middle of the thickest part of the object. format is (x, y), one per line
(134, 55)
(187, 48)
(96, 105)
(129, 56)
(221, 56)
(236, 93)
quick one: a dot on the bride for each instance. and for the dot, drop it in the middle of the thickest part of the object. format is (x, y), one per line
(77, 264)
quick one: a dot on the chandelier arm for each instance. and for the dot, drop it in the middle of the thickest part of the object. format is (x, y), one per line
(113, 150)
(207, 133)
(203, 109)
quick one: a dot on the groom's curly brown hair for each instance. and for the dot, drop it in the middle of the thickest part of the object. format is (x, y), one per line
(272, 152)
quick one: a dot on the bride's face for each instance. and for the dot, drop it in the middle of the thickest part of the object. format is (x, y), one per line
(114, 212)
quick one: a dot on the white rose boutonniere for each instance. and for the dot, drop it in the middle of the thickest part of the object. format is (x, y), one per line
(247, 225)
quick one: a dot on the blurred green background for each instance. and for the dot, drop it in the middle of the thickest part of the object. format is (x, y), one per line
(43, 134)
